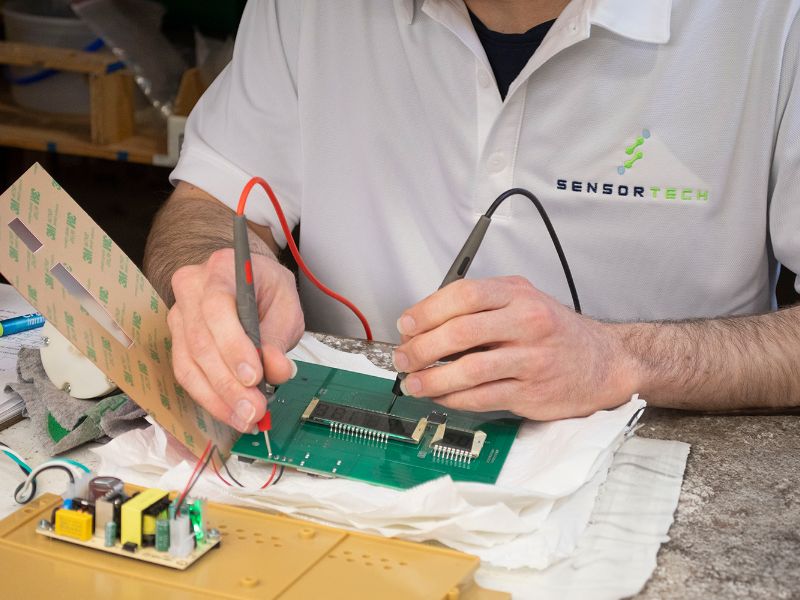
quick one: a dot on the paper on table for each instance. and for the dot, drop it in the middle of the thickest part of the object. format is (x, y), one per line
(480, 518)
(12, 305)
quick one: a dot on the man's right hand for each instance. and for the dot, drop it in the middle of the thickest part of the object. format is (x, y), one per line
(213, 359)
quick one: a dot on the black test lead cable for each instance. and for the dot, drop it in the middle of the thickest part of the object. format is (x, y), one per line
(576, 303)
(460, 266)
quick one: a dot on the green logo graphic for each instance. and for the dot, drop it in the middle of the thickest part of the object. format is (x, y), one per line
(631, 151)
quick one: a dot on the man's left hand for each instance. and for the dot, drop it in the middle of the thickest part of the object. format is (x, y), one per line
(536, 357)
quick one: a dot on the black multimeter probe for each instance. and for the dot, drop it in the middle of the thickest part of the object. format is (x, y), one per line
(462, 262)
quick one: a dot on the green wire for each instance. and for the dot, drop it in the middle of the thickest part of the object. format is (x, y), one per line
(76, 463)
(18, 461)
(28, 469)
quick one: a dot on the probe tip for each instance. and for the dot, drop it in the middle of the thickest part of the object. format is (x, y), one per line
(269, 446)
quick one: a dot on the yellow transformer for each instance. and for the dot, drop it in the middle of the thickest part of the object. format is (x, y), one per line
(132, 517)
(74, 524)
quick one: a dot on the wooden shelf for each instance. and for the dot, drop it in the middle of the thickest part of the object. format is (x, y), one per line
(108, 132)
(20, 128)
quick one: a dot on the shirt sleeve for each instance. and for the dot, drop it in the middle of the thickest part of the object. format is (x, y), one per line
(246, 124)
(784, 208)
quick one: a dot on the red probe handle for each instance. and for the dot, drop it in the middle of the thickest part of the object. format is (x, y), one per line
(265, 424)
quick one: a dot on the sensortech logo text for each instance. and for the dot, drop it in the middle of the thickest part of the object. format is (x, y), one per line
(621, 190)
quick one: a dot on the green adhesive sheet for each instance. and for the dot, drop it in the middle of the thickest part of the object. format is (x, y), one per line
(317, 449)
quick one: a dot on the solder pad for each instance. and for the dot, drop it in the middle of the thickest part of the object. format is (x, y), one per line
(312, 447)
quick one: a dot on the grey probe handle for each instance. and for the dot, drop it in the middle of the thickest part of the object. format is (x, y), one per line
(458, 270)
(461, 264)
(246, 306)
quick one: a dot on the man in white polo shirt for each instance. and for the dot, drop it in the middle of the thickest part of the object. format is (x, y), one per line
(662, 137)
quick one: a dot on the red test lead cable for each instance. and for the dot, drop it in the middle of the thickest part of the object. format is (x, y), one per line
(198, 470)
(246, 305)
(295, 252)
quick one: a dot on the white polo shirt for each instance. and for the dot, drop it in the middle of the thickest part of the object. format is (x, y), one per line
(662, 137)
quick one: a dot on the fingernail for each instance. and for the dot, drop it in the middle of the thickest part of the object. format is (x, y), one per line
(294, 369)
(400, 361)
(243, 417)
(246, 374)
(254, 431)
(406, 324)
(411, 386)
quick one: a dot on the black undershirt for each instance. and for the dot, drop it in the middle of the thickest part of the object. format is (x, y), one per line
(508, 53)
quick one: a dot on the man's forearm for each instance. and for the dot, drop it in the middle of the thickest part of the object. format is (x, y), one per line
(718, 364)
(187, 230)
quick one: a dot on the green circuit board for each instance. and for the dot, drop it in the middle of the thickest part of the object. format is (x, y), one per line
(334, 423)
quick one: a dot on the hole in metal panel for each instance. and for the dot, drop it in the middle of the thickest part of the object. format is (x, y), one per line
(26, 235)
(90, 304)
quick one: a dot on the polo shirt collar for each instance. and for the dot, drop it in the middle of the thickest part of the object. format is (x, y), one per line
(640, 20)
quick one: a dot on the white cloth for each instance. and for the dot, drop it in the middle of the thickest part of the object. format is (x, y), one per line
(616, 554)
(504, 524)
(380, 127)
(611, 558)
(591, 545)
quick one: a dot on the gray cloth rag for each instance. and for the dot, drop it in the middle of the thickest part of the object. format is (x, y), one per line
(62, 422)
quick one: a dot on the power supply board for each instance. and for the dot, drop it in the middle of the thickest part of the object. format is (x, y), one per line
(335, 423)
(249, 555)
(147, 525)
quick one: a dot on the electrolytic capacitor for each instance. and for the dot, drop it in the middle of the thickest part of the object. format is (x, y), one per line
(100, 486)
(110, 534)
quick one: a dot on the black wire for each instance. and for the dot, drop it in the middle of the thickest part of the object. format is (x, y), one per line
(194, 481)
(279, 477)
(21, 468)
(550, 229)
(33, 483)
(197, 477)
(237, 482)
(31, 497)
(225, 466)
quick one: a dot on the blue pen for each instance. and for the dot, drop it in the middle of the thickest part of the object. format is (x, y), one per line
(20, 324)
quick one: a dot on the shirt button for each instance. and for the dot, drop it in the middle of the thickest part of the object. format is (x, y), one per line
(497, 162)
(483, 79)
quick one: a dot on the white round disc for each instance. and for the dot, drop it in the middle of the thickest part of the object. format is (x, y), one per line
(70, 370)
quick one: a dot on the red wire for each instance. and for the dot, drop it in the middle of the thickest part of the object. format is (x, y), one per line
(225, 481)
(295, 252)
(196, 468)
(271, 476)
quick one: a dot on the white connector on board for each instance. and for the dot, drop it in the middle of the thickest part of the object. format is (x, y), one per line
(80, 487)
